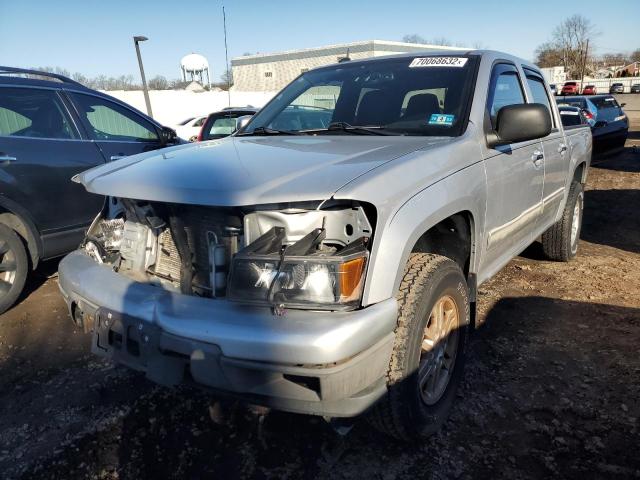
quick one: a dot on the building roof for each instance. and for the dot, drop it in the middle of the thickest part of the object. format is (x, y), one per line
(339, 49)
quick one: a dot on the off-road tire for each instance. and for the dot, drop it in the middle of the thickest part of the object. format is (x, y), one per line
(9, 241)
(556, 242)
(401, 412)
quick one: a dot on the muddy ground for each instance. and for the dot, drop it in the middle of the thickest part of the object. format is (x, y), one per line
(551, 387)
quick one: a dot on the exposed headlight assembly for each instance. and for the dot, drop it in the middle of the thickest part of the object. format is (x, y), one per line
(301, 275)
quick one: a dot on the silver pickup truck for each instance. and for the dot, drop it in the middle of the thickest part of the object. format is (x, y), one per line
(326, 258)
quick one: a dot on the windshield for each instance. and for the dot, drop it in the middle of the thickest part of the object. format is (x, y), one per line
(400, 96)
(605, 102)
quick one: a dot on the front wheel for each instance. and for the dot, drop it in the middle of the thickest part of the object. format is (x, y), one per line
(429, 350)
(560, 242)
(14, 266)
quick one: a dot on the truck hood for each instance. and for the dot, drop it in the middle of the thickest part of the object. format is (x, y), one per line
(239, 171)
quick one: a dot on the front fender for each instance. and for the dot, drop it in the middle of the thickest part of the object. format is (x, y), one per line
(463, 191)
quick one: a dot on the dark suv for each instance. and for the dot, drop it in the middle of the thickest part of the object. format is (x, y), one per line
(52, 128)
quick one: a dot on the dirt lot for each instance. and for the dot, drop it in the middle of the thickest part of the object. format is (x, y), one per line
(550, 390)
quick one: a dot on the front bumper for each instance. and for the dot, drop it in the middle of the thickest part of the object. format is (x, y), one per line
(323, 363)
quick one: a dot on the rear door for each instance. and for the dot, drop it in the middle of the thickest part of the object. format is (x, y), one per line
(515, 176)
(117, 130)
(40, 150)
(554, 148)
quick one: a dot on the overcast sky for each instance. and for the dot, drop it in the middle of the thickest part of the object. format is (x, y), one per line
(94, 37)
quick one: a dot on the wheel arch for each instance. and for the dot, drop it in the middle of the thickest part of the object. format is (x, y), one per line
(580, 173)
(411, 230)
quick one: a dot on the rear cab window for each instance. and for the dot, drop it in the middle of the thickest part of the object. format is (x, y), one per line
(538, 91)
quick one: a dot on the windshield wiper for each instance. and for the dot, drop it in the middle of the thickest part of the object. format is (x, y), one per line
(270, 131)
(347, 127)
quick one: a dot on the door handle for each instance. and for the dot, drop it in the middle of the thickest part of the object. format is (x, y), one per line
(537, 158)
(116, 157)
(7, 159)
(562, 148)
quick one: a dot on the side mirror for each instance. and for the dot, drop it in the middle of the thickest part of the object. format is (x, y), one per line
(242, 122)
(519, 123)
(167, 136)
(622, 105)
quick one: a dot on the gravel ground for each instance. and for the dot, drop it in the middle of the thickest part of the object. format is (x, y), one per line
(550, 389)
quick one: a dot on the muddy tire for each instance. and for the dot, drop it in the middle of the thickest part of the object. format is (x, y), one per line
(560, 242)
(429, 351)
(14, 266)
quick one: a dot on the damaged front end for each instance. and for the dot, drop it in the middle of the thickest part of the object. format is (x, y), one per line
(287, 256)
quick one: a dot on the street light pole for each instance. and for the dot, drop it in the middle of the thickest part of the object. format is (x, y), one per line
(136, 40)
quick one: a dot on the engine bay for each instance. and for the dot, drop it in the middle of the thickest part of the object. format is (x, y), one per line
(191, 249)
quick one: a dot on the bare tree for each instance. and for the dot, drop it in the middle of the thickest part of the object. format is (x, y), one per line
(572, 38)
(548, 55)
(635, 55)
(413, 38)
(158, 83)
(442, 41)
(226, 78)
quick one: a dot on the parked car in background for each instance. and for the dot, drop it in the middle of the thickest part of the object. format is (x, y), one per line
(589, 110)
(553, 88)
(223, 123)
(570, 88)
(190, 128)
(52, 128)
(589, 90)
(635, 88)
(572, 117)
(609, 124)
(616, 88)
(612, 125)
(326, 259)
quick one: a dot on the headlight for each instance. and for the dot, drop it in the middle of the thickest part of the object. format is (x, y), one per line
(299, 275)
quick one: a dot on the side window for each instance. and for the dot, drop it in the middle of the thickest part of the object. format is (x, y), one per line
(505, 89)
(199, 122)
(34, 113)
(536, 84)
(109, 121)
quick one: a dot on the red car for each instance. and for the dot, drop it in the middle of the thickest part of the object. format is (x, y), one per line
(570, 88)
(589, 90)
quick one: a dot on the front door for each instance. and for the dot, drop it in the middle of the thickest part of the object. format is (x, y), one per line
(118, 131)
(40, 151)
(515, 177)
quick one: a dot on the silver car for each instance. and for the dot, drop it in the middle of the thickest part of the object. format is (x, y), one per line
(326, 259)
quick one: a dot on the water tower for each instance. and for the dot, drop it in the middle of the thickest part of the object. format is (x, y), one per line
(193, 67)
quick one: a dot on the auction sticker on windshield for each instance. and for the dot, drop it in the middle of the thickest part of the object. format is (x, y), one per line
(438, 62)
(444, 120)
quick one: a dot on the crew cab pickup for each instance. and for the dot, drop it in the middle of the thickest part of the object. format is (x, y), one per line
(326, 258)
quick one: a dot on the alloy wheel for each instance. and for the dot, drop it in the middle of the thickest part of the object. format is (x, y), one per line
(438, 349)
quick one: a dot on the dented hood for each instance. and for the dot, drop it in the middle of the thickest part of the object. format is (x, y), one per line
(240, 171)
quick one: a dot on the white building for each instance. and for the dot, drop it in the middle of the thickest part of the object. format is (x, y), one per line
(555, 75)
(271, 71)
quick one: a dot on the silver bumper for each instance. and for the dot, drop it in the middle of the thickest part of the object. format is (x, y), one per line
(328, 363)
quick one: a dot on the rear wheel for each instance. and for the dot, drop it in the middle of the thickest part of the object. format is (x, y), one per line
(428, 356)
(560, 242)
(14, 266)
